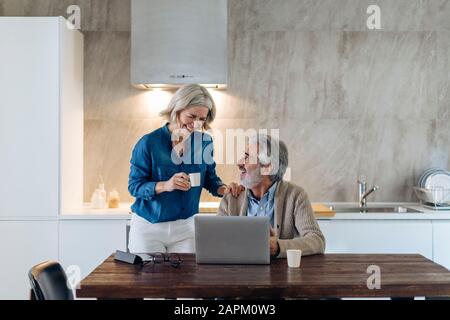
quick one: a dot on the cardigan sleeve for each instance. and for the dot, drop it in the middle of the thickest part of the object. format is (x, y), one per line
(311, 240)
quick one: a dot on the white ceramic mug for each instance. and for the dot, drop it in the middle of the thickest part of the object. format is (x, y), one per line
(294, 256)
(195, 179)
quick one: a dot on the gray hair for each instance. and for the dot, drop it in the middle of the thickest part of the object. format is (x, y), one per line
(190, 95)
(272, 151)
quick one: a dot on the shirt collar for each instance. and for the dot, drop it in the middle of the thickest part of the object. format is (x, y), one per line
(271, 190)
(270, 194)
(166, 131)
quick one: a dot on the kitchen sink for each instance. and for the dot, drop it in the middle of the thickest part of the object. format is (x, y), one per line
(378, 209)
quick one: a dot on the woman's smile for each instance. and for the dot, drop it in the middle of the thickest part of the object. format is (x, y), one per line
(189, 126)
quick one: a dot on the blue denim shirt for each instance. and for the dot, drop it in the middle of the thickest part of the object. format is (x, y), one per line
(263, 207)
(151, 162)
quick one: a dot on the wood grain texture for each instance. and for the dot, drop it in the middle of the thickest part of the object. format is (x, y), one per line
(330, 275)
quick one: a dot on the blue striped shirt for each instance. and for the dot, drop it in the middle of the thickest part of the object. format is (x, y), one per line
(264, 207)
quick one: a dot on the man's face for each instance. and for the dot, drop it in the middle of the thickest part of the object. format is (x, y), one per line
(249, 167)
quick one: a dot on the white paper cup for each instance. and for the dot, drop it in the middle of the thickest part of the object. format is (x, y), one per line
(294, 256)
(195, 179)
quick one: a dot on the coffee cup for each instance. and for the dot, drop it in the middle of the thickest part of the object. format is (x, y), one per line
(294, 257)
(195, 178)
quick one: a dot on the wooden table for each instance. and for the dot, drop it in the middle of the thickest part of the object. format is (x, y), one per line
(320, 276)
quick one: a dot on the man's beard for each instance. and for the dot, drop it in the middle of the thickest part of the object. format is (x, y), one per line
(252, 178)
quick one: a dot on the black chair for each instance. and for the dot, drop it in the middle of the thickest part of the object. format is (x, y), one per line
(49, 282)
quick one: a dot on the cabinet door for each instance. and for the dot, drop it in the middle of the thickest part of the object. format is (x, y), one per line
(441, 243)
(374, 236)
(24, 244)
(29, 116)
(85, 244)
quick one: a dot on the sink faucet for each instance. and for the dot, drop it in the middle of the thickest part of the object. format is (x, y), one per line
(362, 193)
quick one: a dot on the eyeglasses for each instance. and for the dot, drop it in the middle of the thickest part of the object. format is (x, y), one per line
(159, 257)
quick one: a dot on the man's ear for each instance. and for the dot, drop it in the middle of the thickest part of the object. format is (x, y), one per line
(266, 169)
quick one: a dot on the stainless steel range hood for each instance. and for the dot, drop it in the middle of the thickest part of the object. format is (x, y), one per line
(176, 42)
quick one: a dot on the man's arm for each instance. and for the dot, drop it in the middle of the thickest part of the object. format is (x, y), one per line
(311, 240)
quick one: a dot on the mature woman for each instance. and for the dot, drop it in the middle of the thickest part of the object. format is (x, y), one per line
(162, 218)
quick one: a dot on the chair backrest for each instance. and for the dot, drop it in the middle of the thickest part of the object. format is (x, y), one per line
(49, 282)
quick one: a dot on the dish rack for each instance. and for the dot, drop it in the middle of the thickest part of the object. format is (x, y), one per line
(435, 198)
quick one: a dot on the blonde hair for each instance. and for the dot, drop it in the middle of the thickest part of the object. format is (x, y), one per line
(190, 95)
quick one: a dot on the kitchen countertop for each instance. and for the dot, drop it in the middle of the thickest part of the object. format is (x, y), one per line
(425, 214)
(123, 212)
(86, 212)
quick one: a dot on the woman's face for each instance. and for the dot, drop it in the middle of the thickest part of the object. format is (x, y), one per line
(188, 116)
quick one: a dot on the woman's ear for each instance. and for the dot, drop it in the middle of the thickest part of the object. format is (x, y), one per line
(207, 122)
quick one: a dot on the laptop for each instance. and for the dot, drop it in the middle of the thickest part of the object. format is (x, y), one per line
(232, 239)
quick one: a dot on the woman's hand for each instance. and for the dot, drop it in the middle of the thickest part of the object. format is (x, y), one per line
(234, 188)
(179, 181)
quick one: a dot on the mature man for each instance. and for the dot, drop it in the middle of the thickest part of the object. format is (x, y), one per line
(292, 218)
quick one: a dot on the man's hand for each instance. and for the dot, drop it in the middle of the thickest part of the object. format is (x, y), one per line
(273, 242)
(233, 188)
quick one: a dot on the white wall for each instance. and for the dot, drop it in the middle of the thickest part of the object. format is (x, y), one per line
(71, 116)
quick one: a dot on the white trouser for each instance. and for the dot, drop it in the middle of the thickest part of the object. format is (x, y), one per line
(172, 236)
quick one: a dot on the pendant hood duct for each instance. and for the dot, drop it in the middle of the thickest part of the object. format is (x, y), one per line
(177, 42)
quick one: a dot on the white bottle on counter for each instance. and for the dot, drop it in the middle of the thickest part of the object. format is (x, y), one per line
(101, 186)
(98, 199)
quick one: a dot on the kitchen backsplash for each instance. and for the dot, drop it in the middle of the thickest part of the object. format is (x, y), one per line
(347, 100)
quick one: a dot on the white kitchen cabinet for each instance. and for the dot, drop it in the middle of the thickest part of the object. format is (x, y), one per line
(41, 116)
(375, 236)
(441, 243)
(24, 244)
(87, 243)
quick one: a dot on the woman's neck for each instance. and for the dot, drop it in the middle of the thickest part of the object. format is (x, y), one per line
(172, 126)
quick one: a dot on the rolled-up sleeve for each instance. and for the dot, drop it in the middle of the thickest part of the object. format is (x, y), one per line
(139, 180)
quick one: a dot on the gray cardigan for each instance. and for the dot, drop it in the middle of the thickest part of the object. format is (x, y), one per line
(294, 221)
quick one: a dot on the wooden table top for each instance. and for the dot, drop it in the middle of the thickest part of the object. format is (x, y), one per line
(328, 275)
